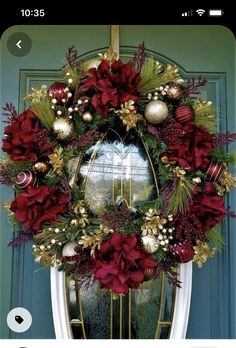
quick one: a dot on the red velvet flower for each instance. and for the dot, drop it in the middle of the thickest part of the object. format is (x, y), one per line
(193, 149)
(38, 205)
(21, 141)
(120, 263)
(113, 85)
(208, 207)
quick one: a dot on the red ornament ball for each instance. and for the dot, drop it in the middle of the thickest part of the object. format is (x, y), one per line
(58, 91)
(149, 273)
(181, 252)
(184, 113)
(25, 179)
(175, 91)
(214, 171)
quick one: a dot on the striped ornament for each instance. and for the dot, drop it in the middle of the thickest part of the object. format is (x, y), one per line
(25, 179)
(184, 113)
(214, 171)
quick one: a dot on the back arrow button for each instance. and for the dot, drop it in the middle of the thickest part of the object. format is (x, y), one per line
(18, 44)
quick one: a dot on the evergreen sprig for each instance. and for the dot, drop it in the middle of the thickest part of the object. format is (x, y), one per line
(181, 196)
(214, 236)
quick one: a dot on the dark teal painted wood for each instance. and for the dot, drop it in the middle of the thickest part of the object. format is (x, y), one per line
(202, 49)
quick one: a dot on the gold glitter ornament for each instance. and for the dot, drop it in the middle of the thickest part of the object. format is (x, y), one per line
(62, 128)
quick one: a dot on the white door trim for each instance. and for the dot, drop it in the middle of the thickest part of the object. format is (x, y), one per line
(181, 310)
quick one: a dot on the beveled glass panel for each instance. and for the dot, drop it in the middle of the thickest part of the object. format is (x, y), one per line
(117, 167)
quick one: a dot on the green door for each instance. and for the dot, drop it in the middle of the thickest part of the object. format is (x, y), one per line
(198, 50)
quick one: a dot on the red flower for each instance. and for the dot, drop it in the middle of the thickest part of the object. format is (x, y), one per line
(208, 207)
(38, 205)
(120, 263)
(113, 85)
(21, 141)
(193, 149)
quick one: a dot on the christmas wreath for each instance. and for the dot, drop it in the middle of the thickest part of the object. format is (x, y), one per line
(123, 246)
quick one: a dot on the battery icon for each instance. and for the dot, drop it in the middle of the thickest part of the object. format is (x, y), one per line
(216, 13)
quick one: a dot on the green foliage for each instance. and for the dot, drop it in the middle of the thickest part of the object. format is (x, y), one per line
(149, 76)
(42, 108)
(215, 237)
(80, 125)
(181, 196)
(100, 122)
(164, 174)
(205, 115)
(155, 146)
(145, 206)
(51, 178)
(161, 255)
(76, 193)
(219, 156)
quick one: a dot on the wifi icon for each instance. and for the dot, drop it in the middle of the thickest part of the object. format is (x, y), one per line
(200, 12)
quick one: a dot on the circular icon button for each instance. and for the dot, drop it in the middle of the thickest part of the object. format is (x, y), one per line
(19, 319)
(19, 44)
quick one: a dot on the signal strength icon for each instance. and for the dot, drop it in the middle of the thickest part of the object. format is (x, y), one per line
(187, 13)
(200, 12)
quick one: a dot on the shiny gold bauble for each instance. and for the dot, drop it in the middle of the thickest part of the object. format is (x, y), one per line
(87, 117)
(150, 243)
(156, 112)
(62, 128)
(40, 167)
(149, 273)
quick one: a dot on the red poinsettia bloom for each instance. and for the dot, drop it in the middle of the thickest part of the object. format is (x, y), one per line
(193, 149)
(120, 263)
(38, 205)
(208, 207)
(113, 85)
(22, 138)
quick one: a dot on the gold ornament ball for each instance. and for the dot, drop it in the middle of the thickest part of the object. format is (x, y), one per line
(40, 167)
(156, 112)
(87, 117)
(62, 128)
(150, 243)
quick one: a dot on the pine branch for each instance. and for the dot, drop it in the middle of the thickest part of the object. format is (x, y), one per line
(181, 196)
(215, 237)
(219, 156)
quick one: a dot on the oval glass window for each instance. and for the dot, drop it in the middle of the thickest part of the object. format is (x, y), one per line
(116, 168)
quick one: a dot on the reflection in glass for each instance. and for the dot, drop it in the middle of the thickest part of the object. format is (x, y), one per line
(114, 168)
